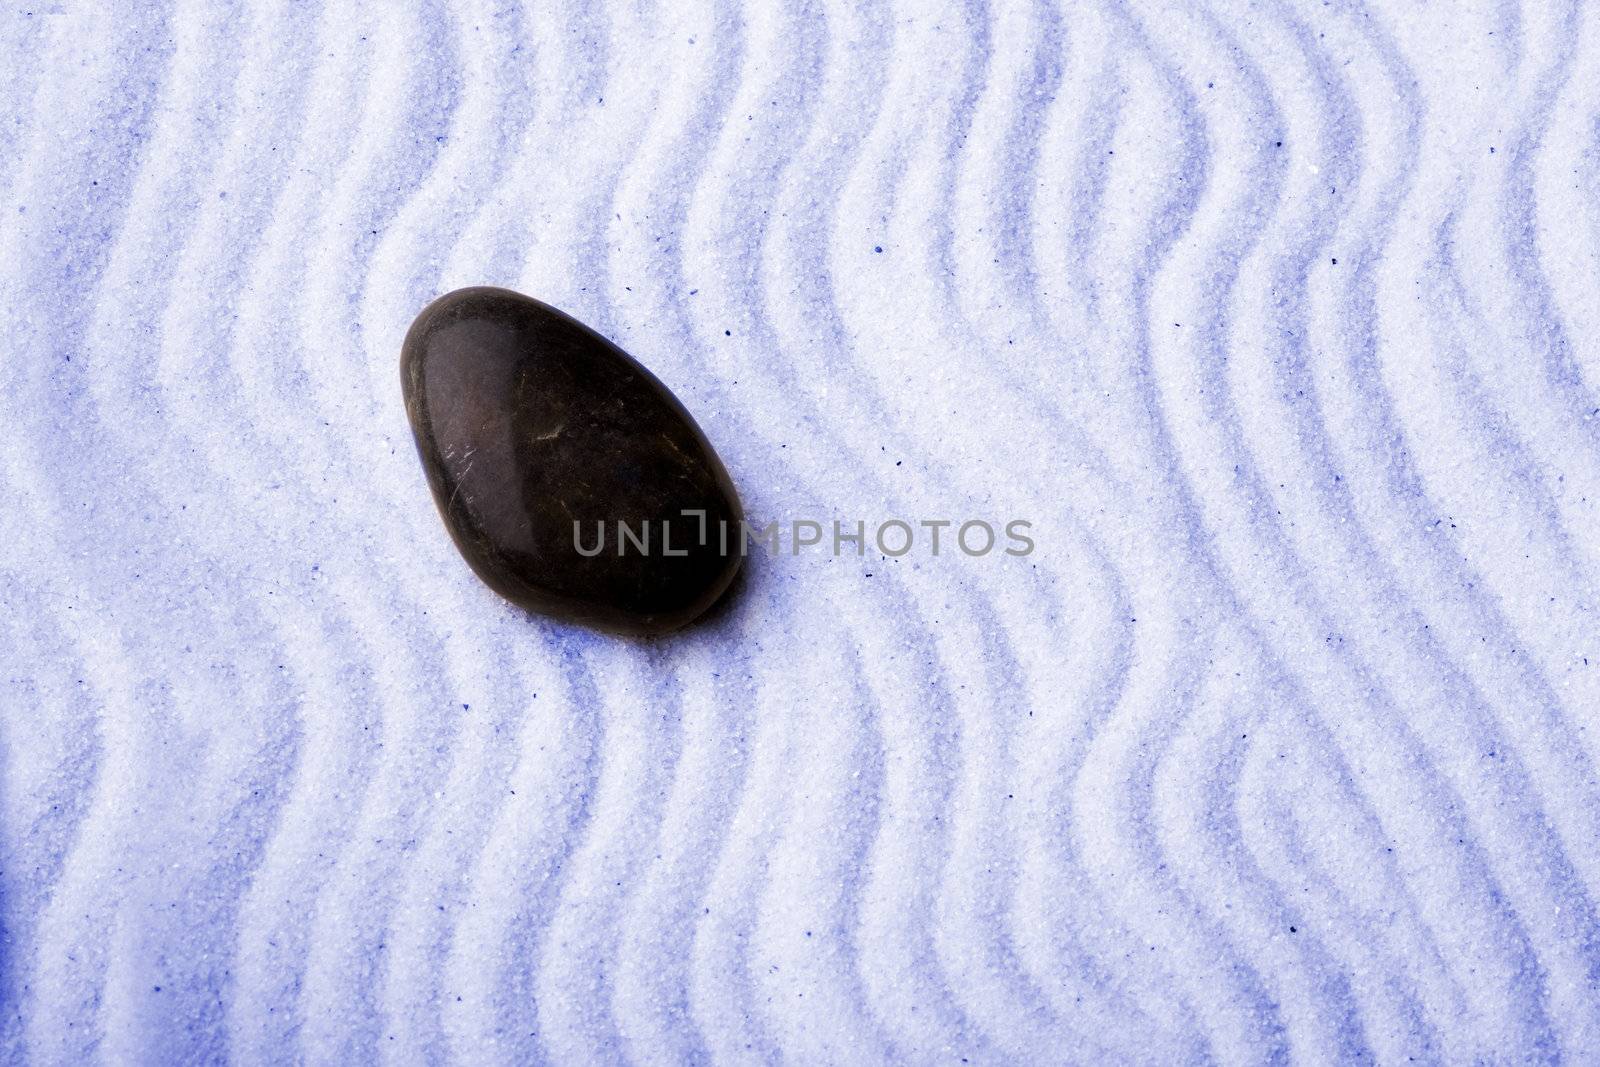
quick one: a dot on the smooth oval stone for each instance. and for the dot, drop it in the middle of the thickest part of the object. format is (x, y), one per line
(528, 421)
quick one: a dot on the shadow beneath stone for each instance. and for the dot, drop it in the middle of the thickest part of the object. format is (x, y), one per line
(720, 614)
(723, 606)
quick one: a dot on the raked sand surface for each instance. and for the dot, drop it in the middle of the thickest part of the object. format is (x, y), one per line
(1278, 320)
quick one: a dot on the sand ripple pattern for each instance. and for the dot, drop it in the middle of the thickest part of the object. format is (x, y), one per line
(1279, 319)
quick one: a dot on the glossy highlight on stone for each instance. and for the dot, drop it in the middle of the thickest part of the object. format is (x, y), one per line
(527, 421)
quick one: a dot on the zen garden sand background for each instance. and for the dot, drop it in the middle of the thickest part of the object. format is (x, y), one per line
(1280, 321)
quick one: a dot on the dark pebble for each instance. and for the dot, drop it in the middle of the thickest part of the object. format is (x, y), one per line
(527, 420)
